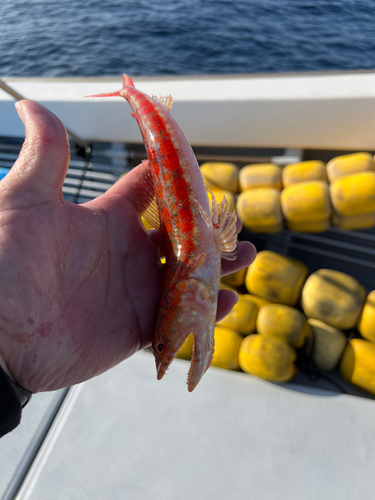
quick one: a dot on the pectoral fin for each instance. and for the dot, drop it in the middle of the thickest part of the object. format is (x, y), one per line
(151, 214)
(143, 196)
(223, 224)
(196, 262)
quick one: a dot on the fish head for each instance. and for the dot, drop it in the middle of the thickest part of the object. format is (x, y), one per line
(190, 307)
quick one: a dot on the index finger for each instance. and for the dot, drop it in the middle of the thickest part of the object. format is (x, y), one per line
(246, 253)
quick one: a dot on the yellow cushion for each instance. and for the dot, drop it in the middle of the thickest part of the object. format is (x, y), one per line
(219, 194)
(309, 227)
(354, 194)
(258, 301)
(260, 175)
(333, 297)
(267, 358)
(242, 317)
(221, 175)
(227, 346)
(284, 323)
(224, 286)
(349, 164)
(358, 364)
(187, 346)
(259, 209)
(277, 278)
(366, 322)
(313, 170)
(362, 221)
(275, 228)
(235, 279)
(306, 201)
(324, 345)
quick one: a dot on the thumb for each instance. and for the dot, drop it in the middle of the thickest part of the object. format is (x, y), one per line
(43, 161)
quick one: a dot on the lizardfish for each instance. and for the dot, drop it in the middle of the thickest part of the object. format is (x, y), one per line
(196, 235)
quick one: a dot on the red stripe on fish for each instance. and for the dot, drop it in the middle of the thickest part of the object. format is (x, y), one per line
(174, 186)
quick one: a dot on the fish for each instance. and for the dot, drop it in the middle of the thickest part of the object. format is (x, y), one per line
(196, 233)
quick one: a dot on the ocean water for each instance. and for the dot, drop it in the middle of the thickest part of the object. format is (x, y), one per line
(154, 37)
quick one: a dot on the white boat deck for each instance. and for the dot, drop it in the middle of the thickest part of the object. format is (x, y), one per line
(18, 448)
(126, 435)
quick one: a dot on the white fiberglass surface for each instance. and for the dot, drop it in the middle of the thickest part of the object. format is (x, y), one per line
(127, 435)
(18, 448)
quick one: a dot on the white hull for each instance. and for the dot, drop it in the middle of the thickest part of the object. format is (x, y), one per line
(317, 111)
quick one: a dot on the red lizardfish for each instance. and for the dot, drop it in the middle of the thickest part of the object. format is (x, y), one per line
(196, 235)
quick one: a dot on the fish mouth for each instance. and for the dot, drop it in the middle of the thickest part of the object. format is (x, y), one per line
(160, 372)
(200, 363)
(164, 360)
(162, 367)
(196, 373)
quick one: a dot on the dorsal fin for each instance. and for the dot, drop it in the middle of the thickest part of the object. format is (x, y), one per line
(165, 101)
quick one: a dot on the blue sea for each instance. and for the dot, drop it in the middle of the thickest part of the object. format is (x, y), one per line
(154, 37)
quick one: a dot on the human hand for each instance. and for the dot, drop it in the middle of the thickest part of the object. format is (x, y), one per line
(80, 284)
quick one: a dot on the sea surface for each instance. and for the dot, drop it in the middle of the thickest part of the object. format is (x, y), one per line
(155, 37)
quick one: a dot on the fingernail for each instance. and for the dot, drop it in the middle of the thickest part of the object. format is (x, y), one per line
(19, 108)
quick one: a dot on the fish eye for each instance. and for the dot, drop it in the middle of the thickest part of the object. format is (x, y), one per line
(160, 347)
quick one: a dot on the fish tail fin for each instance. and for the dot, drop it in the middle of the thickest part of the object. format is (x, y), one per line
(126, 81)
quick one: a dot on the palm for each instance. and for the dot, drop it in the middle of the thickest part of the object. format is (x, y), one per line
(80, 283)
(66, 299)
